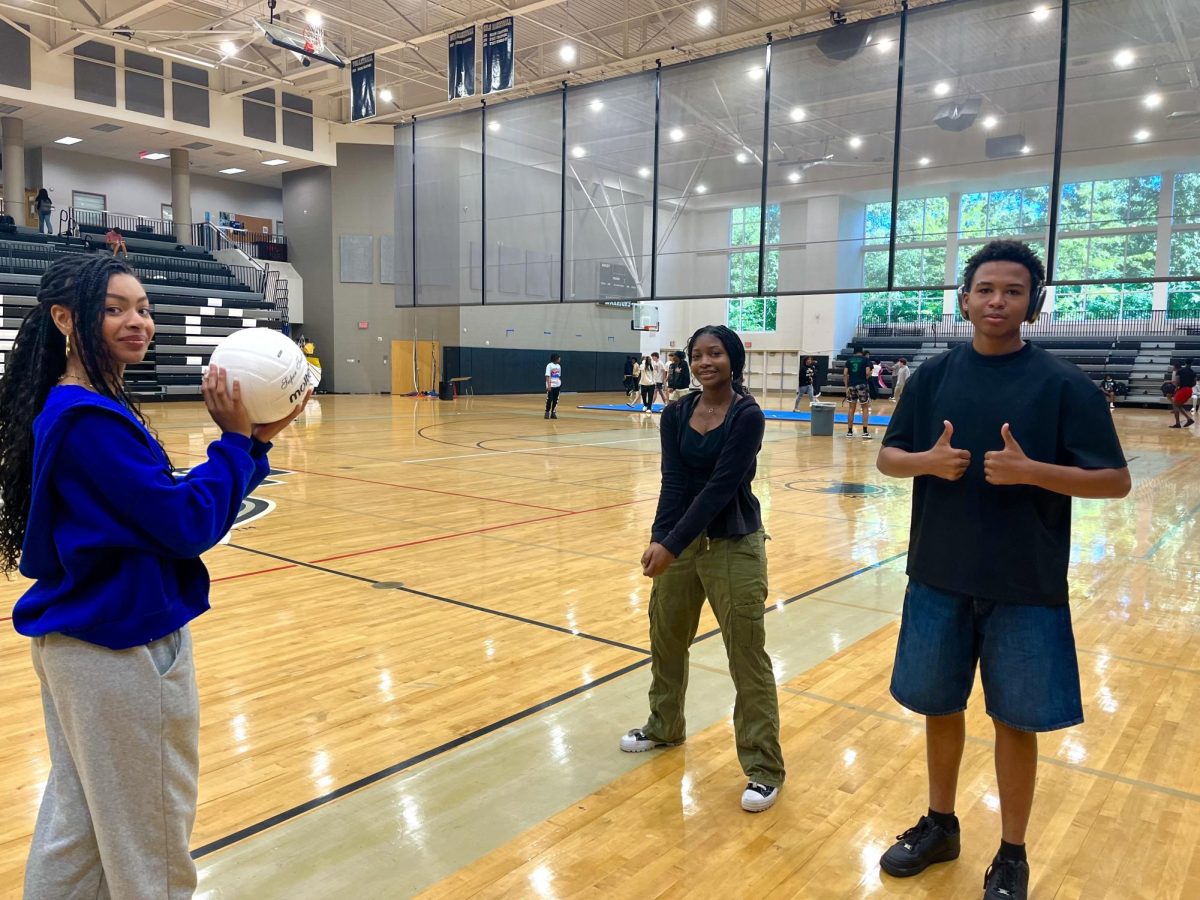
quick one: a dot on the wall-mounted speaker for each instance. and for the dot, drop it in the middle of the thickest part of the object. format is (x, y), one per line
(958, 115)
(1005, 146)
(844, 41)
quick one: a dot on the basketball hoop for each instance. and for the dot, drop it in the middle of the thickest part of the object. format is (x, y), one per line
(314, 38)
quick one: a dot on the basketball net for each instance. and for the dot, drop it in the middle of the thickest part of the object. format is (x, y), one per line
(314, 38)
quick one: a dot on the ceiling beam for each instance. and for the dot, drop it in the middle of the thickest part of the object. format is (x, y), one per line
(126, 18)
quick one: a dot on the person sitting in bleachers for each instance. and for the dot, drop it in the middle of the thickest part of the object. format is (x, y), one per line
(116, 242)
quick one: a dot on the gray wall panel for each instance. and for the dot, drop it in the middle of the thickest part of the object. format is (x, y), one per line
(357, 259)
(144, 94)
(14, 57)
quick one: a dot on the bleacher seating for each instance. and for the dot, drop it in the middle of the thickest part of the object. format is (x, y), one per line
(196, 301)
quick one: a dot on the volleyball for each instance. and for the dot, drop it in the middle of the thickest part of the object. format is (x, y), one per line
(272, 371)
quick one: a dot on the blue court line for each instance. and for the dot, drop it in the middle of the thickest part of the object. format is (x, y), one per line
(1170, 532)
(778, 414)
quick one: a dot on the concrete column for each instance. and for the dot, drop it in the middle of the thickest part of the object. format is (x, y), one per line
(181, 193)
(14, 167)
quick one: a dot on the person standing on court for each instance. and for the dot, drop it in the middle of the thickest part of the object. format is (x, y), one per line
(808, 383)
(856, 376)
(679, 376)
(647, 375)
(1185, 385)
(707, 541)
(901, 373)
(989, 550)
(553, 385)
(93, 514)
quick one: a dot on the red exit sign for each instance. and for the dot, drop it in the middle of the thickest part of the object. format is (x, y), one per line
(362, 326)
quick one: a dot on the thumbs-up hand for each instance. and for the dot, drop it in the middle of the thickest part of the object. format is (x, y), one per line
(945, 461)
(1007, 466)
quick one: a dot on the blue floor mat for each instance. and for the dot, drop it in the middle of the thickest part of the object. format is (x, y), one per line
(777, 414)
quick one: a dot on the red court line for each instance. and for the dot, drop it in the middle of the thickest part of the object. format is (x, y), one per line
(248, 574)
(409, 487)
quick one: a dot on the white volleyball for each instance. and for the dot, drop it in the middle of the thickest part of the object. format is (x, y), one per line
(272, 371)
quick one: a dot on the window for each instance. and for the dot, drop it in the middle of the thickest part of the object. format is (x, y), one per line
(1012, 213)
(167, 212)
(1183, 297)
(921, 232)
(90, 202)
(752, 313)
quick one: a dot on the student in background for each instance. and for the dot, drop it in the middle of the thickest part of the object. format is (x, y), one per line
(679, 376)
(901, 373)
(808, 383)
(856, 378)
(43, 206)
(553, 385)
(1109, 387)
(116, 242)
(660, 377)
(647, 381)
(1185, 386)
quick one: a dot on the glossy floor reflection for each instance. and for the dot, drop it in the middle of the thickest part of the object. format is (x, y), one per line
(417, 666)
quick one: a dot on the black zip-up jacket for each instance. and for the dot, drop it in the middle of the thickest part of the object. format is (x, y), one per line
(717, 502)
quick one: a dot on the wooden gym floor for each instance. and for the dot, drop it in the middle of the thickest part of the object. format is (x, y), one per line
(419, 662)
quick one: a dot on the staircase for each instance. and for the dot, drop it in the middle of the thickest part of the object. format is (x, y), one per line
(1150, 370)
(281, 301)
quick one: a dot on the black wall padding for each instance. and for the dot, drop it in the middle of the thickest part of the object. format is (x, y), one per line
(495, 370)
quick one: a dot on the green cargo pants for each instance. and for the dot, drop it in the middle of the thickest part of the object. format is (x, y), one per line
(732, 574)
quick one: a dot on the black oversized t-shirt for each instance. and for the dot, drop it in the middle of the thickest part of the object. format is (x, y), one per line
(858, 367)
(1000, 542)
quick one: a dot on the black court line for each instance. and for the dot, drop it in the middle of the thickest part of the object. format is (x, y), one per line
(396, 768)
(465, 605)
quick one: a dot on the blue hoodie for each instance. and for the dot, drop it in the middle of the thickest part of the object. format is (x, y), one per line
(113, 538)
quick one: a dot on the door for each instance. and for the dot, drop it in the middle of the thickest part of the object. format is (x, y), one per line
(416, 366)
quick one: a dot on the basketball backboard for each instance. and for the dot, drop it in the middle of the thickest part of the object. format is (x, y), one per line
(645, 317)
(298, 43)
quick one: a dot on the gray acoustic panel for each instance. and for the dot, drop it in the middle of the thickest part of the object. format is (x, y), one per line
(299, 104)
(143, 62)
(190, 74)
(387, 259)
(94, 81)
(357, 259)
(512, 269)
(144, 94)
(258, 121)
(14, 57)
(189, 104)
(297, 130)
(264, 95)
(537, 273)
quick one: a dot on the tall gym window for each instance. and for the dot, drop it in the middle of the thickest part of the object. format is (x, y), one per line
(752, 313)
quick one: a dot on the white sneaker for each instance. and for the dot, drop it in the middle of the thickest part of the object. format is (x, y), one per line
(758, 797)
(850, 433)
(866, 436)
(635, 741)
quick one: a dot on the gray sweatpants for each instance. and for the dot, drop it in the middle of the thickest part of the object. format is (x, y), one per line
(124, 731)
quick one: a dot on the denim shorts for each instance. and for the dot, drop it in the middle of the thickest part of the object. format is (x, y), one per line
(1026, 657)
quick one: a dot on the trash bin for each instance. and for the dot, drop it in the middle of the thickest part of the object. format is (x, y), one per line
(446, 392)
(822, 419)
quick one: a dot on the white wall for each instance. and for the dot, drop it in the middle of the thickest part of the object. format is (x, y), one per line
(140, 188)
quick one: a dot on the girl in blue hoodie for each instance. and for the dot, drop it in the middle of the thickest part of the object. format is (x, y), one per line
(92, 513)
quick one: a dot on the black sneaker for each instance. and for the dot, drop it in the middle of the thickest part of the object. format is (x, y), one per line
(546, 416)
(919, 848)
(554, 415)
(1006, 879)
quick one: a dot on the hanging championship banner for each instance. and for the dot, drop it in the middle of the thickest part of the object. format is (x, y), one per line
(498, 55)
(461, 72)
(362, 88)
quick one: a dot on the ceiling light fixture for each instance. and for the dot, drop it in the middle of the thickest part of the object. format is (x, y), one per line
(386, 95)
(493, 126)
(1026, 149)
(233, 171)
(924, 161)
(793, 177)
(705, 17)
(596, 105)
(152, 156)
(701, 189)
(68, 140)
(942, 88)
(755, 73)
(742, 157)
(567, 53)
(1041, 14)
(1152, 101)
(578, 152)
(855, 142)
(274, 162)
(675, 134)
(229, 48)
(644, 172)
(990, 122)
(1141, 135)
(798, 114)
(1124, 58)
(314, 18)
(884, 45)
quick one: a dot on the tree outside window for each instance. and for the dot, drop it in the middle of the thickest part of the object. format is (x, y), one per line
(752, 313)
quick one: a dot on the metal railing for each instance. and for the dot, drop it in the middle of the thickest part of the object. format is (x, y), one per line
(1159, 323)
(72, 220)
(258, 276)
(271, 247)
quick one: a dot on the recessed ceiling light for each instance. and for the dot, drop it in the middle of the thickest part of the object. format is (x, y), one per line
(68, 140)
(1141, 135)
(567, 53)
(675, 134)
(755, 73)
(942, 88)
(1152, 101)
(1027, 149)
(154, 155)
(742, 157)
(493, 126)
(313, 18)
(701, 189)
(578, 152)
(229, 48)
(793, 177)
(1041, 14)
(644, 172)
(855, 142)
(1124, 58)
(990, 122)
(704, 17)
(797, 114)
(232, 171)
(386, 95)
(596, 105)
(924, 161)
(274, 162)
(884, 45)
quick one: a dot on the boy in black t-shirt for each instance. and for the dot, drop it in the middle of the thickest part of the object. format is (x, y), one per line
(988, 550)
(858, 393)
